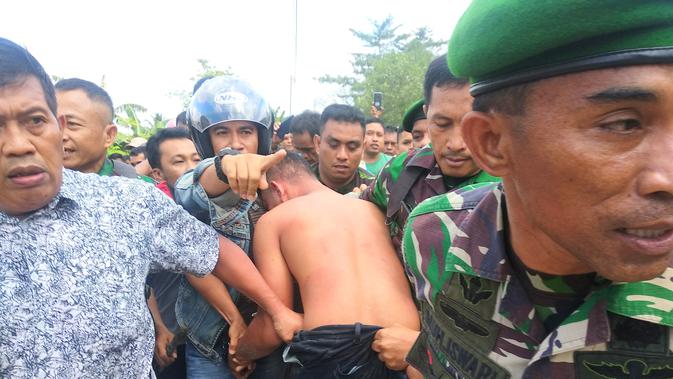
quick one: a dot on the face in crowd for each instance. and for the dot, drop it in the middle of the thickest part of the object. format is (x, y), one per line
(88, 132)
(177, 156)
(390, 143)
(339, 150)
(237, 135)
(587, 168)
(135, 160)
(373, 138)
(303, 144)
(444, 112)
(404, 142)
(419, 134)
(31, 150)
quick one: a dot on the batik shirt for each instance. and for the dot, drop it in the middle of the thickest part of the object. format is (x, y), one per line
(72, 277)
(478, 320)
(427, 183)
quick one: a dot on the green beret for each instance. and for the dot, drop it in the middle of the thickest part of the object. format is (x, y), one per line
(413, 114)
(500, 43)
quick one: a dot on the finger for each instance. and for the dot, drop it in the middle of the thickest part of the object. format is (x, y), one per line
(263, 183)
(243, 173)
(253, 181)
(272, 159)
(376, 345)
(230, 171)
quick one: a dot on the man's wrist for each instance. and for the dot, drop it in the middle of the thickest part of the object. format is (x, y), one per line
(218, 163)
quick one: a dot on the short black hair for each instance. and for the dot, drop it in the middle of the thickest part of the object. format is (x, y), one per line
(289, 168)
(306, 121)
(373, 120)
(153, 145)
(509, 100)
(93, 91)
(138, 150)
(116, 156)
(438, 75)
(391, 129)
(17, 64)
(342, 113)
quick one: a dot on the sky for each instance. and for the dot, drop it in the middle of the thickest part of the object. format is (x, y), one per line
(146, 51)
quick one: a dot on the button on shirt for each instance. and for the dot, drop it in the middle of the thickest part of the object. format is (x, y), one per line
(72, 277)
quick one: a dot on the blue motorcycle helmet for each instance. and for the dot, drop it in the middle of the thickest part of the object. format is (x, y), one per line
(226, 98)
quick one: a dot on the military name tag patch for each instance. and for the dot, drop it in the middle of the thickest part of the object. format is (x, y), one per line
(612, 365)
(456, 356)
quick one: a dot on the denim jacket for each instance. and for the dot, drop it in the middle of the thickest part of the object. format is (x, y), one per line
(229, 215)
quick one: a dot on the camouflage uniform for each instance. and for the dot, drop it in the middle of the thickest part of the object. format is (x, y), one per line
(479, 320)
(408, 179)
(361, 177)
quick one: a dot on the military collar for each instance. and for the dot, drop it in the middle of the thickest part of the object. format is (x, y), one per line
(423, 158)
(107, 169)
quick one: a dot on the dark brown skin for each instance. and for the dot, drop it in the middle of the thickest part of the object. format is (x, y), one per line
(587, 171)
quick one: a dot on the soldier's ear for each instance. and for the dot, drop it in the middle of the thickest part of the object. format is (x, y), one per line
(316, 142)
(486, 137)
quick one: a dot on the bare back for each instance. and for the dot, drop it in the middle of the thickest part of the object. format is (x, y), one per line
(339, 251)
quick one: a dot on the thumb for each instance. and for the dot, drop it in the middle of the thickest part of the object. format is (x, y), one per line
(272, 159)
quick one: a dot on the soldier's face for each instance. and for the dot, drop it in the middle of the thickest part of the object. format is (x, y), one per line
(339, 150)
(445, 111)
(88, 133)
(589, 172)
(404, 141)
(419, 134)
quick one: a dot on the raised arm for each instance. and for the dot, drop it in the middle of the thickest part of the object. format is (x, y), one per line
(235, 269)
(245, 173)
(260, 339)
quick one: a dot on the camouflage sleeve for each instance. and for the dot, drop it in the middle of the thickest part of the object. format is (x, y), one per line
(428, 238)
(378, 192)
(423, 245)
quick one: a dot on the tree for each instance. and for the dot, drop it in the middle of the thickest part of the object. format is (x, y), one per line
(394, 65)
(130, 116)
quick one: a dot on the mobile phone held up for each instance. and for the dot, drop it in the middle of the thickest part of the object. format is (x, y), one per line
(378, 100)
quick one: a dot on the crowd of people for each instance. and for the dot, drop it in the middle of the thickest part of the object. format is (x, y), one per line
(518, 224)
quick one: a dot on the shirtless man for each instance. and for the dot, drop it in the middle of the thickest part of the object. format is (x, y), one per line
(350, 281)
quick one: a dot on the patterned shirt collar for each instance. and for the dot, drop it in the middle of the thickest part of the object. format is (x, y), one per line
(67, 193)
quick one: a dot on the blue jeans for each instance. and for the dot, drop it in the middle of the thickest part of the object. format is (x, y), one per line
(200, 367)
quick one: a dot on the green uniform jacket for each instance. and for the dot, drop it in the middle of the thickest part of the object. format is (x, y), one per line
(478, 321)
(408, 179)
(361, 177)
(116, 168)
